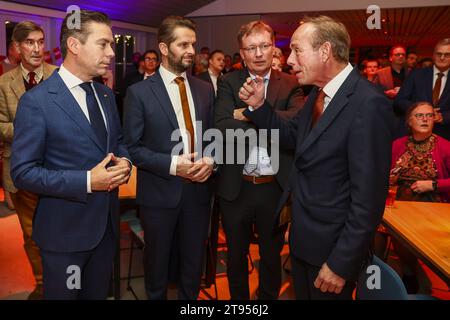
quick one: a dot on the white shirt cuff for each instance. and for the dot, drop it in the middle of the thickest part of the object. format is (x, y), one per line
(89, 190)
(251, 108)
(173, 166)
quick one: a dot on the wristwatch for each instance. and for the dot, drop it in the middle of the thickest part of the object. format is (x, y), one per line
(435, 185)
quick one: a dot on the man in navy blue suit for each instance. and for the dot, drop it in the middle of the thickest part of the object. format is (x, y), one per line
(430, 84)
(68, 149)
(342, 142)
(173, 189)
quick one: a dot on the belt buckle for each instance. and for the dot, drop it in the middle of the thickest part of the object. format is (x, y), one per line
(254, 180)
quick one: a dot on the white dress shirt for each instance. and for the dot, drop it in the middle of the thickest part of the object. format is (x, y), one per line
(259, 154)
(443, 79)
(214, 80)
(333, 86)
(174, 95)
(73, 84)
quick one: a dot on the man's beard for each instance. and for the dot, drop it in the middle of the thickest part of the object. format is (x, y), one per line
(177, 64)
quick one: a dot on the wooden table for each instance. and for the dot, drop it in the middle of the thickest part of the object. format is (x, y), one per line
(424, 227)
(127, 196)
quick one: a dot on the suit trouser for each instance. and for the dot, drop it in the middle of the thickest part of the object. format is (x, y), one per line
(187, 227)
(304, 275)
(255, 204)
(25, 204)
(61, 275)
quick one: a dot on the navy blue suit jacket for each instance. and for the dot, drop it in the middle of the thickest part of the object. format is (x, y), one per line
(53, 148)
(418, 86)
(339, 178)
(149, 121)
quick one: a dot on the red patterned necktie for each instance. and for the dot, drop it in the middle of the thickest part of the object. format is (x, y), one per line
(437, 89)
(32, 80)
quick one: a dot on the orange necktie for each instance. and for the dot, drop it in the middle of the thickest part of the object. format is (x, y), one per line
(437, 89)
(318, 107)
(186, 112)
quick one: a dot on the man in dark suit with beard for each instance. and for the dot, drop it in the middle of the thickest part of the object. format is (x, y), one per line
(173, 190)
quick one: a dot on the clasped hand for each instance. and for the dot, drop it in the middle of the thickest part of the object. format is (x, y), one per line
(196, 171)
(107, 179)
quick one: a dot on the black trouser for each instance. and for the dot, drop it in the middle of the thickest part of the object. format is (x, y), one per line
(304, 276)
(187, 225)
(256, 204)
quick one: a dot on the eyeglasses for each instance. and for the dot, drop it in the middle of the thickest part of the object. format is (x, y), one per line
(32, 43)
(262, 47)
(151, 59)
(442, 55)
(421, 116)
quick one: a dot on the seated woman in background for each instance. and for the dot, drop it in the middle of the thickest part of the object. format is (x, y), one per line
(421, 161)
(421, 169)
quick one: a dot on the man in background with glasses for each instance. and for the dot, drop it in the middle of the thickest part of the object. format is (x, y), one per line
(392, 77)
(248, 193)
(28, 38)
(430, 84)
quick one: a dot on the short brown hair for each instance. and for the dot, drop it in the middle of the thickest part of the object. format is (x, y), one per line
(328, 30)
(23, 29)
(168, 26)
(254, 26)
(82, 33)
(411, 109)
(391, 51)
(443, 42)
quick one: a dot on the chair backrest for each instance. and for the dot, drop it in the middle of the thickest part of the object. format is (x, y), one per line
(380, 282)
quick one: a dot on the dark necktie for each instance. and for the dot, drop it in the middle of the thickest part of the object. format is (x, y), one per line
(318, 107)
(95, 115)
(186, 112)
(32, 78)
(437, 89)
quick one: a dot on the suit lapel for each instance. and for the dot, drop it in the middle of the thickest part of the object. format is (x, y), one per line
(104, 104)
(333, 109)
(17, 85)
(195, 97)
(48, 70)
(157, 85)
(273, 87)
(429, 81)
(65, 100)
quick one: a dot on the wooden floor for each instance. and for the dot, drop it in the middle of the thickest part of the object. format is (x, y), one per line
(16, 280)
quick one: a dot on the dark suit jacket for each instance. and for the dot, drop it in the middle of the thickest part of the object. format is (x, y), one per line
(284, 95)
(130, 79)
(340, 177)
(149, 121)
(205, 77)
(53, 148)
(418, 86)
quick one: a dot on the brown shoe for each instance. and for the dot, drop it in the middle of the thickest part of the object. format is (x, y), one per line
(37, 293)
